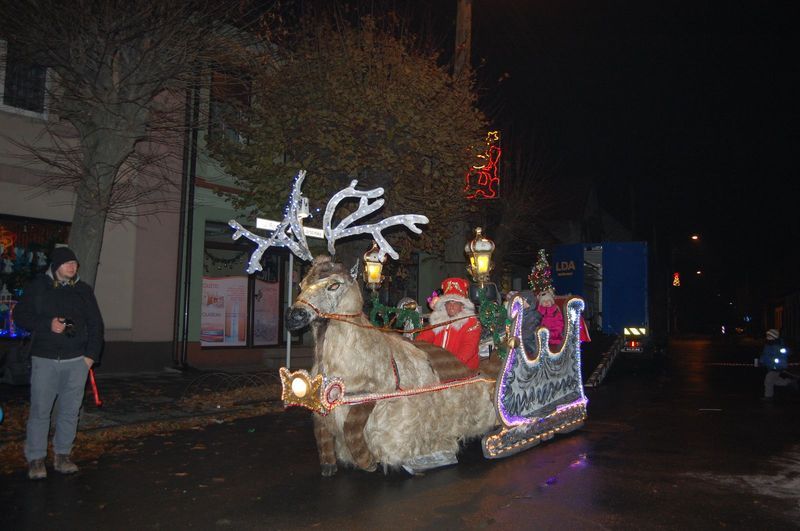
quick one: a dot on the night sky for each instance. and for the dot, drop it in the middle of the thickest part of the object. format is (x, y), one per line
(684, 112)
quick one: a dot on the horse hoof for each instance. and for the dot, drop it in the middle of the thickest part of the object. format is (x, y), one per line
(372, 467)
(328, 470)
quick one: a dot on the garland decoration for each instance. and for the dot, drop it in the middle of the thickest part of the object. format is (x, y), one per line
(493, 317)
(384, 316)
(223, 263)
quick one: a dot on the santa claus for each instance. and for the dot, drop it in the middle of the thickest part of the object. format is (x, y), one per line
(455, 327)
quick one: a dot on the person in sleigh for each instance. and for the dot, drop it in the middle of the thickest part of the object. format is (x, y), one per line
(455, 326)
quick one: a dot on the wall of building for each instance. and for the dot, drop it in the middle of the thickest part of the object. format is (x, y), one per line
(135, 282)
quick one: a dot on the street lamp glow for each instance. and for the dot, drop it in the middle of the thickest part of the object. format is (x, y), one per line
(479, 250)
(373, 266)
(695, 237)
(699, 272)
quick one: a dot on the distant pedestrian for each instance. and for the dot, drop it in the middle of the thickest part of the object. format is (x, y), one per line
(61, 312)
(774, 358)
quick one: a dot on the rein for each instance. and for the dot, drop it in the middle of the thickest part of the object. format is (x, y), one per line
(345, 318)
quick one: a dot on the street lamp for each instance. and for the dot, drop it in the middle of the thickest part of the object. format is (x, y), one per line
(373, 266)
(695, 237)
(479, 250)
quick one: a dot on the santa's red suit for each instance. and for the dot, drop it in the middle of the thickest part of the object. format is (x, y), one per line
(461, 337)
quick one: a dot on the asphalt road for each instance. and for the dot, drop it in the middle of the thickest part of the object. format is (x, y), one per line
(670, 443)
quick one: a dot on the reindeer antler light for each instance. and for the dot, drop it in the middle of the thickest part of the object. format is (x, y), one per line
(294, 240)
(289, 233)
(365, 208)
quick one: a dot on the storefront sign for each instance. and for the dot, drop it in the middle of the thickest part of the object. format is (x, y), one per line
(223, 312)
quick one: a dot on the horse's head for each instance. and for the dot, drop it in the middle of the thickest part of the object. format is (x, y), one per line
(328, 288)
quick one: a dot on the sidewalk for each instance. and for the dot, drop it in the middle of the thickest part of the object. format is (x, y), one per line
(171, 394)
(139, 398)
(141, 404)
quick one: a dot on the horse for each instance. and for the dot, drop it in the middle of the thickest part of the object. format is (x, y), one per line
(393, 426)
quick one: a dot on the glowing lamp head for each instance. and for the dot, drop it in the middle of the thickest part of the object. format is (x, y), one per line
(299, 387)
(777, 360)
(783, 351)
(373, 266)
(410, 305)
(479, 250)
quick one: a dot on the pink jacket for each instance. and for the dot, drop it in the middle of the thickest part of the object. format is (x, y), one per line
(553, 320)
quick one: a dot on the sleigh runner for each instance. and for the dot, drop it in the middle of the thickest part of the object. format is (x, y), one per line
(379, 398)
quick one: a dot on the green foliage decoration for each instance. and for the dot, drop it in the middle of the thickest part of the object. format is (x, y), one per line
(358, 101)
(391, 317)
(493, 317)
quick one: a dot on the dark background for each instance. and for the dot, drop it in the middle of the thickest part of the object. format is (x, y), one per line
(683, 113)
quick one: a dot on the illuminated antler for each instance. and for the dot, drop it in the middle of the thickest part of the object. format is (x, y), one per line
(289, 233)
(365, 208)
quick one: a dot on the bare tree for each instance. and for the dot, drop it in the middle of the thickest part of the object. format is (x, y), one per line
(116, 103)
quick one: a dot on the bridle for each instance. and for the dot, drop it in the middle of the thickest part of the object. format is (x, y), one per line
(346, 318)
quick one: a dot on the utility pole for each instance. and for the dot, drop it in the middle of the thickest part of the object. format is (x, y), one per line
(459, 230)
(463, 36)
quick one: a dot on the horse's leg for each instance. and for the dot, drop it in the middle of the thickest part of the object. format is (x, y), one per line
(354, 436)
(325, 447)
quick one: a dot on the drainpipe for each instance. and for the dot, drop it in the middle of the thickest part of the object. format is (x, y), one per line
(183, 279)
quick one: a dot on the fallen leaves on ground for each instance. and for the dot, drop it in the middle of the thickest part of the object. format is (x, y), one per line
(227, 406)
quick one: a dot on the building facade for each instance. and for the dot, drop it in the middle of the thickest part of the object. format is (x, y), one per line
(171, 286)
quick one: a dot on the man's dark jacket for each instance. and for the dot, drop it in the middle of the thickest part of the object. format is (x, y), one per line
(43, 299)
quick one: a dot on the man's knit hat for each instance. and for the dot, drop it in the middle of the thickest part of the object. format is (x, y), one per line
(60, 256)
(529, 297)
(773, 334)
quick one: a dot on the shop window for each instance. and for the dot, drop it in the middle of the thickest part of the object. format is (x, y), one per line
(25, 245)
(237, 309)
(23, 84)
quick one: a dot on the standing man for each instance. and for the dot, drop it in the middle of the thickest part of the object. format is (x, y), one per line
(460, 331)
(62, 314)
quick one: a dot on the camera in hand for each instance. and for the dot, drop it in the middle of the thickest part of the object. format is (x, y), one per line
(69, 328)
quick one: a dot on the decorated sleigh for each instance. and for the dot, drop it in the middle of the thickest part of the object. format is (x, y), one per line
(380, 399)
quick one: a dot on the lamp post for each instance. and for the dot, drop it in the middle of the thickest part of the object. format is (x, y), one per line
(479, 250)
(373, 266)
(491, 314)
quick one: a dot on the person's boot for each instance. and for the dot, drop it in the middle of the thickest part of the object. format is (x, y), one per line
(36, 469)
(62, 463)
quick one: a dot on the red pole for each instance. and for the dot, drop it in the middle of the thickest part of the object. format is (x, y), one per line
(97, 401)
